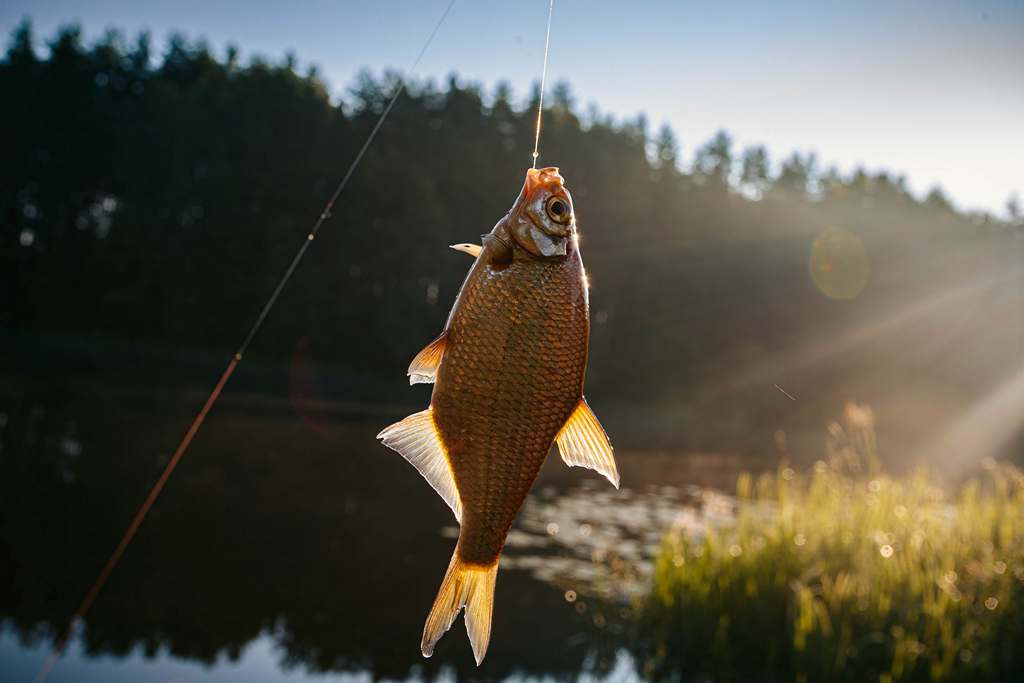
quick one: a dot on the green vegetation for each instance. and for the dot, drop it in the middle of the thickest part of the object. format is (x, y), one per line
(845, 573)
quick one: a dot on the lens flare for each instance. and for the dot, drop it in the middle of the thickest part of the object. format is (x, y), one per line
(839, 264)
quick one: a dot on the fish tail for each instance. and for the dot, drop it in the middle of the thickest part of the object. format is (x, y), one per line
(464, 585)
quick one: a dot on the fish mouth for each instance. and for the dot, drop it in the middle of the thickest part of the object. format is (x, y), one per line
(547, 177)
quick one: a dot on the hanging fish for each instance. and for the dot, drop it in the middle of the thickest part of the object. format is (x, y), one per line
(508, 376)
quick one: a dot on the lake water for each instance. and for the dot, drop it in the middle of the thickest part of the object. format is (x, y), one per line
(290, 545)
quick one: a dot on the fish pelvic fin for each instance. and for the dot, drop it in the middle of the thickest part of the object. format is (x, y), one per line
(417, 440)
(423, 368)
(467, 248)
(464, 585)
(583, 442)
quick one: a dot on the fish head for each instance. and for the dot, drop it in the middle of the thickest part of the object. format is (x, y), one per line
(542, 221)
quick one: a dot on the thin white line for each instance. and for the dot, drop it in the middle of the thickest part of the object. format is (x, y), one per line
(543, 80)
(788, 395)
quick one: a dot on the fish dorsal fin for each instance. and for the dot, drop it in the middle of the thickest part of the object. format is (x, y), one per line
(423, 367)
(467, 248)
(416, 439)
(583, 443)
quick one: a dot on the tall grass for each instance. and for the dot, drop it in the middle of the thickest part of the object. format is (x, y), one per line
(845, 573)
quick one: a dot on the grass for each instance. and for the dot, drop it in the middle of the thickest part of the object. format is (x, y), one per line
(846, 574)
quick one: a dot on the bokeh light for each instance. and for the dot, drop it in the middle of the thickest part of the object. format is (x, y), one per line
(839, 264)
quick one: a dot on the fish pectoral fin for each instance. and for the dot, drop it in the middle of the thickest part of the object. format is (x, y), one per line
(417, 440)
(467, 248)
(583, 443)
(423, 367)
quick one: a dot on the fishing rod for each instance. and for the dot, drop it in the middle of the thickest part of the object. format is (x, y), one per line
(90, 597)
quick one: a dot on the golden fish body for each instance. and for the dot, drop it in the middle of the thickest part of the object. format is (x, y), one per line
(508, 375)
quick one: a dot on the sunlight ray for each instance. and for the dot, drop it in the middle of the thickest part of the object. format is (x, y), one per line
(819, 351)
(981, 432)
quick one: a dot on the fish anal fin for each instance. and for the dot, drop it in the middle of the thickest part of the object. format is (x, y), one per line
(423, 368)
(584, 443)
(417, 440)
(464, 585)
(467, 248)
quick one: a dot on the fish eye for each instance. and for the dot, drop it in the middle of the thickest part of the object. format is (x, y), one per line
(558, 210)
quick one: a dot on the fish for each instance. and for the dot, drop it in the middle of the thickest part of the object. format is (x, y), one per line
(508, 372)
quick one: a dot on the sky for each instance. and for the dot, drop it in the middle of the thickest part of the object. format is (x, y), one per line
(932, 89)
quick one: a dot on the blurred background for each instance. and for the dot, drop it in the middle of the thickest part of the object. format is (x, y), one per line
(805, 244)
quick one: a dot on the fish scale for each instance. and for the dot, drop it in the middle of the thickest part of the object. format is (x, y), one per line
(513, 372)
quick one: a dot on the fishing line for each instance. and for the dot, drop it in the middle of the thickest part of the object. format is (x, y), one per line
(543, 78)
(79, 615)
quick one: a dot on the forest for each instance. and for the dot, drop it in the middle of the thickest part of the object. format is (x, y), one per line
(152, 195)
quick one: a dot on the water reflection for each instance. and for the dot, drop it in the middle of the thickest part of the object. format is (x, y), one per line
(285, 546)
(599, 543)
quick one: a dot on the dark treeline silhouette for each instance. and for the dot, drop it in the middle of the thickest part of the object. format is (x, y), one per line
(156, 199)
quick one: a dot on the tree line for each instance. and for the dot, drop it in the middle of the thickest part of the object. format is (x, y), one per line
(156, 195)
